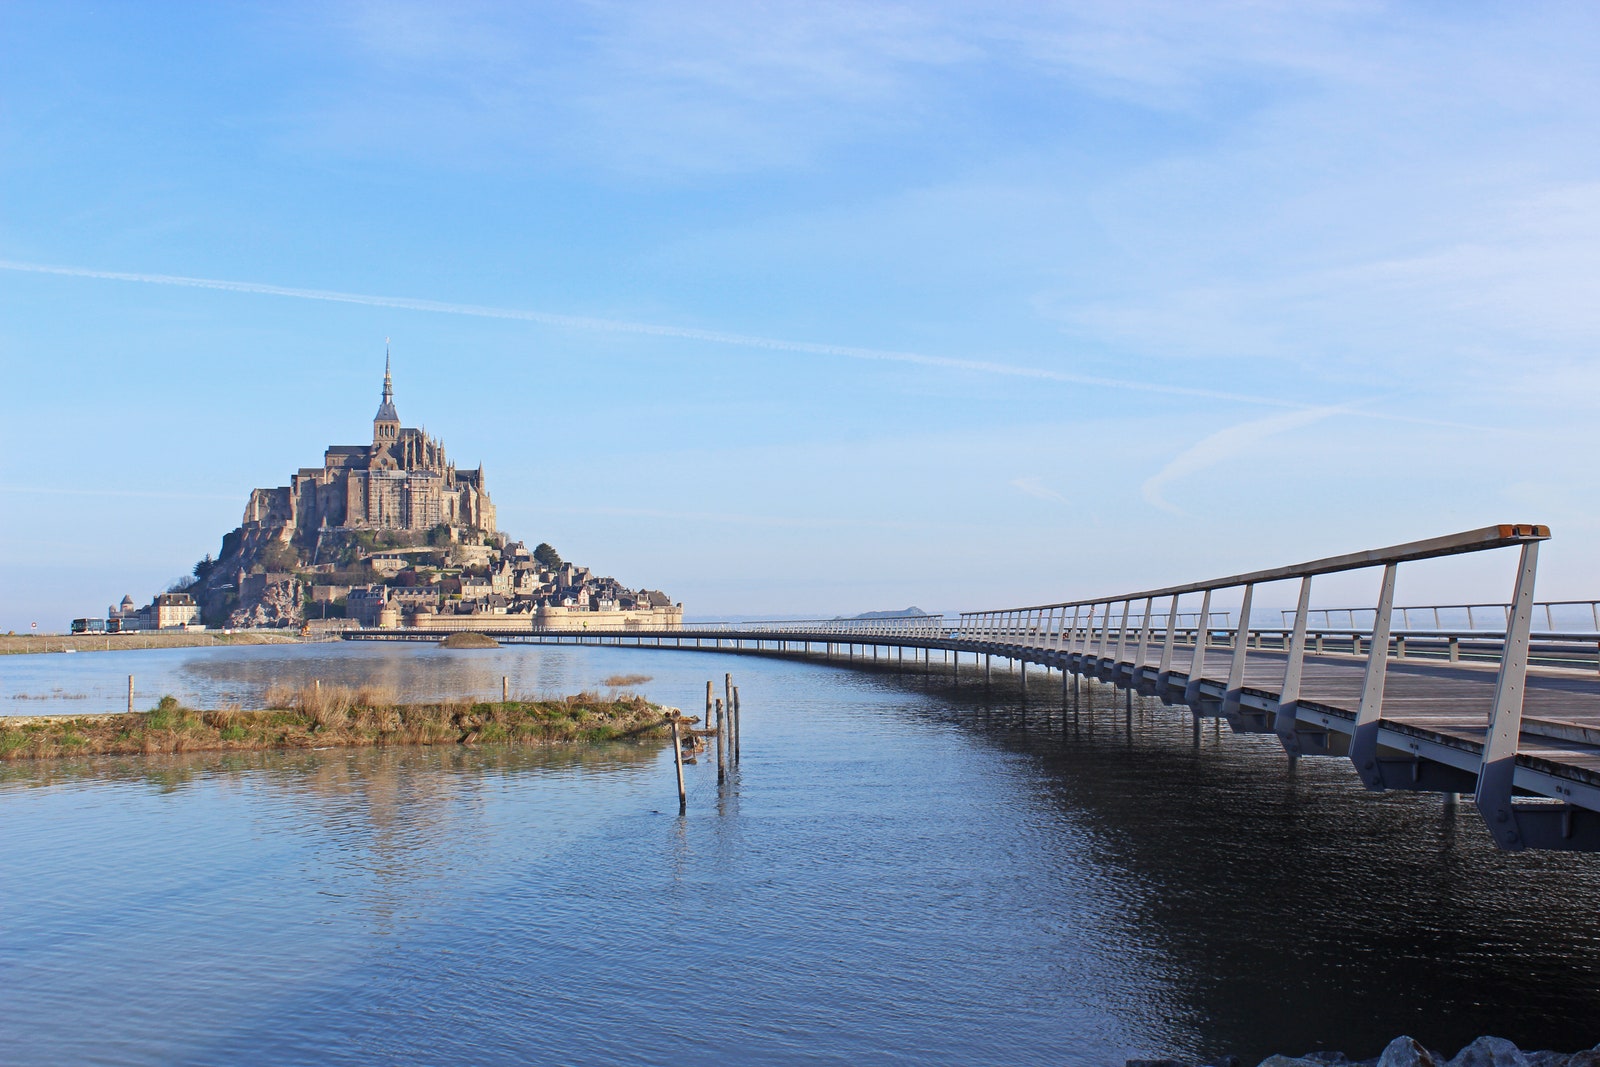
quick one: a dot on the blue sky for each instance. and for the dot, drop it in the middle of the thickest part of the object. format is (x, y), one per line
(810, 307)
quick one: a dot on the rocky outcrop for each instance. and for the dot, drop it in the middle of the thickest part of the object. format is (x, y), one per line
(1408, 1052)
(276, 604)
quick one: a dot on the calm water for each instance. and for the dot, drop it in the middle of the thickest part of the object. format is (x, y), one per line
(898, 873)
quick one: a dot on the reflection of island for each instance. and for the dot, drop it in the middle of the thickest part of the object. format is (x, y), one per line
(394, 817)
(411, 672)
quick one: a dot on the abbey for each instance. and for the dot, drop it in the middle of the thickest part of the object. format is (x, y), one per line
(403, 480)
(385, 534)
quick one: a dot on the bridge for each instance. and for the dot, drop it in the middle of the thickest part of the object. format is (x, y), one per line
(1506, 713)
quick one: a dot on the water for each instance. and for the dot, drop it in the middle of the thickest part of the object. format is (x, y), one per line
(898, 873)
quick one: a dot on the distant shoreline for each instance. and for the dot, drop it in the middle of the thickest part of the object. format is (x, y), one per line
(28, 644)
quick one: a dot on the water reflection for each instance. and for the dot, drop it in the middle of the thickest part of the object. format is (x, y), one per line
(900, 871)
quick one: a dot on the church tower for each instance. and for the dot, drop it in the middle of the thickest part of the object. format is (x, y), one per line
(386, 423)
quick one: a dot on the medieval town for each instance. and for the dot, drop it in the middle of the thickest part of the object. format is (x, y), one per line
(384, 535)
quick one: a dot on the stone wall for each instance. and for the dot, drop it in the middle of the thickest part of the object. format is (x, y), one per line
(554, 618)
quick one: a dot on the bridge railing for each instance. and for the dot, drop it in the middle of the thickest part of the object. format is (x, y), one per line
(1108, 624)
(1577, 649)
(1557, 616)
(925, 626)
(1099, 628)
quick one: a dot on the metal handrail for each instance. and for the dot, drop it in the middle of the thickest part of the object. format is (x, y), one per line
(899, 625)
(1092, 622)
(1547, 607)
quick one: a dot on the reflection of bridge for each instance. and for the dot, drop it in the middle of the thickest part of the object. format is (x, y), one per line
(1510, 715)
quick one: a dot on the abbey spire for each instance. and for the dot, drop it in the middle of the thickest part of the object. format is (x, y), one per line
(386, 423)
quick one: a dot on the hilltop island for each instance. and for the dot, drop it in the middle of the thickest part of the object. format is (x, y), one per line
(382, 535)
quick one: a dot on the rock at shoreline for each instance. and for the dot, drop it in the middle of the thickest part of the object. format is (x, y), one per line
(1490, 1052)
(1408, 1052)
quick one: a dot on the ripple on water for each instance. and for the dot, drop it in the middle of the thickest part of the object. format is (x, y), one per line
(897, 873)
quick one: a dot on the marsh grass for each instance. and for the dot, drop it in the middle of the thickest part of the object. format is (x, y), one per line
(326, 716)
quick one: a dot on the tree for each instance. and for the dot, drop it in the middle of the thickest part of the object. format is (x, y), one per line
(204, 566)
(279, 556)
(546, 556)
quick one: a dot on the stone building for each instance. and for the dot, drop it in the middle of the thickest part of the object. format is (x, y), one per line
(174, 611)
(402, 480)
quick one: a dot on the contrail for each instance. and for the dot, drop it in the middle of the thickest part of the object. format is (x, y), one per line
(578, 322)
(148, 494)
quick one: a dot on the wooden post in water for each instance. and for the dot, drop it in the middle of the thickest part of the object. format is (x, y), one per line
(738, 724)
(130, 694)
(732, 716)
(677, 759)
(505, 698)
(722, 755)
(709, 691)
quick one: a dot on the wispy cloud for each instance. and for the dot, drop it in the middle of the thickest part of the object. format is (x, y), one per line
(1038, 490)
(1224, 445)
(734, 518)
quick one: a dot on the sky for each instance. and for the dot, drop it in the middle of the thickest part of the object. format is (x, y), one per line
(812, 308)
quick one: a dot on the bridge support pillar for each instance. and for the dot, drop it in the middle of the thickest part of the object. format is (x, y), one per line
(1241, 645)
(1369, 714)
(1286, 723)
(1516, 825)
(1197, 662)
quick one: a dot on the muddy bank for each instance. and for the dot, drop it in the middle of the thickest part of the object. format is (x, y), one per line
(21, 644)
